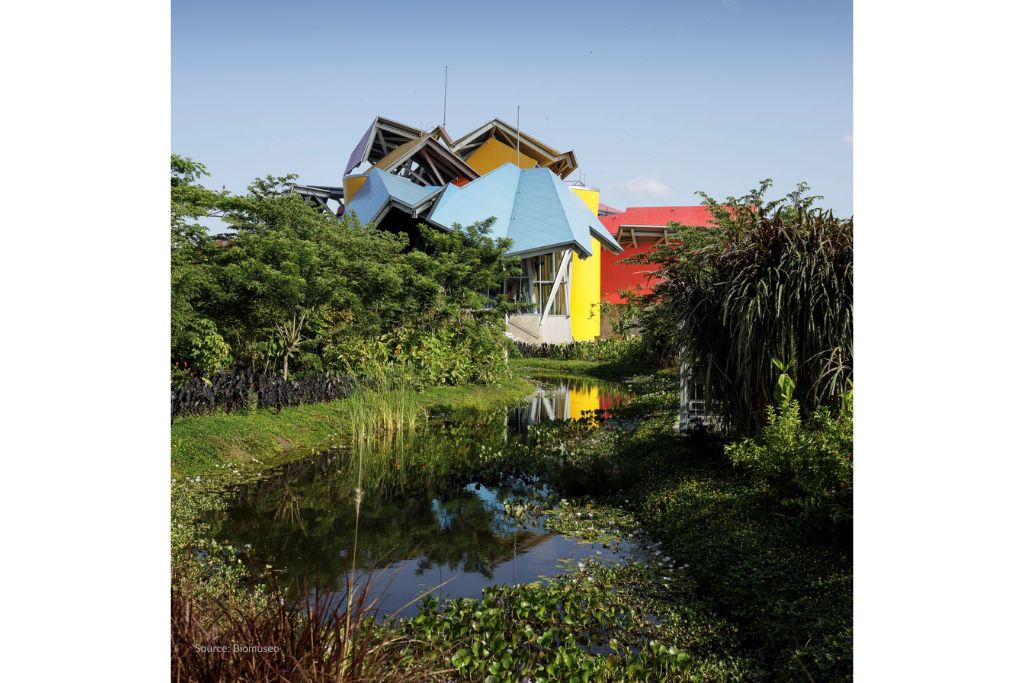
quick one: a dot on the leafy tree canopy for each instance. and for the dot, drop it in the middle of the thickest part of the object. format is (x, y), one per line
(288, 280)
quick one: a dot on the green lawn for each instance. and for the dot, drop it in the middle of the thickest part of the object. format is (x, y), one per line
(606, 370)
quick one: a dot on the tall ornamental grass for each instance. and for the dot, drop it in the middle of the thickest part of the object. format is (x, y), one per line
(769, 283)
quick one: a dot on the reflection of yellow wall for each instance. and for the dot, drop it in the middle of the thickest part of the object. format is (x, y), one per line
(582, 399)
(493, 154)
(585, 298)
(352, 184)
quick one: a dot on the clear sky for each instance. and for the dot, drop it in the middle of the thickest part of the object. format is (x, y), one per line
(658, 99)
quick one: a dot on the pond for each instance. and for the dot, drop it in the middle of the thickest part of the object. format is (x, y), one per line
(431, 519)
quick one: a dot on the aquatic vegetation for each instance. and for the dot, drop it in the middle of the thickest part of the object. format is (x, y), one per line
(590, 523)
(388, 408)
(592, 623)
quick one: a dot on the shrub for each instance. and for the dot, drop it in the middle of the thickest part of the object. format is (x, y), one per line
(600, 350)
(209, 349)
(292, 289)
(808, 462)
(473, 352)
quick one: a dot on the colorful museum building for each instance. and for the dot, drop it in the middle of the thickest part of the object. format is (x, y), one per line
(572, 247)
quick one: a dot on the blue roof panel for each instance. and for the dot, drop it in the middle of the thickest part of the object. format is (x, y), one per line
(492, 194)
(403, 189)
(381, 188)
(539, 219)
(532, 206)
(585, 223)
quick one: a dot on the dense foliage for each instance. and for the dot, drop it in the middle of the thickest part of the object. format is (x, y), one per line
(773, 280)
(807, 462)
(766, 566)
(289, 289)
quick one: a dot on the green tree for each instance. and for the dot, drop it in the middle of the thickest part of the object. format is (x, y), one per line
(468, 269)
(292, 274)
(191, 280)
(289, 288)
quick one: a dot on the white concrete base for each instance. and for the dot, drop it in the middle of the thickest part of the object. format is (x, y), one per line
(527, 327)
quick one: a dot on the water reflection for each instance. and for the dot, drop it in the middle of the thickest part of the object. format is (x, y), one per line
(422, 516)
(565, 399)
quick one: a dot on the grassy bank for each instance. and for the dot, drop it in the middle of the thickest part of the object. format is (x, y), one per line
(246, 443)
(615, 371)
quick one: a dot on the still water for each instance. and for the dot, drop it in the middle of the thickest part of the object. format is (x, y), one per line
(427, 522)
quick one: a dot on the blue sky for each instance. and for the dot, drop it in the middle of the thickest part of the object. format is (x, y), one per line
(658, 99)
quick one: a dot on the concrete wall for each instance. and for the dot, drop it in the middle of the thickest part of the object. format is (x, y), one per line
(526, 327)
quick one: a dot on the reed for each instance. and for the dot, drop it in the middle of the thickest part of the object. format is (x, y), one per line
(388, 408)
(773, 287)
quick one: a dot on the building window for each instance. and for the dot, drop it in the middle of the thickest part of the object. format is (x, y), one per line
(536, 281)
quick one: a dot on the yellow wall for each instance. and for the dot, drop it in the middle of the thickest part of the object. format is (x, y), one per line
(585, 298)
(493, 154)
(352, 184)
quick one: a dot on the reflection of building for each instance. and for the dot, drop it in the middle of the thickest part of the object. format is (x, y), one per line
(399, 176)
(563, 400)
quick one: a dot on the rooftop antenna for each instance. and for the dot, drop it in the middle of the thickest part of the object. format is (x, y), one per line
(517, 135)
(444, 113)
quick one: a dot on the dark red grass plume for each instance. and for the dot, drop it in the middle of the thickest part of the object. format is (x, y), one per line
(242, 639)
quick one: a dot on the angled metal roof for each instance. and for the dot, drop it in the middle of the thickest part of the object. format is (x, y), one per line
(433, 161)
(381, 137)
(441, 135)
(532, 207)
(562, 163)
(318, 195)
(382, 190)
(640, 225)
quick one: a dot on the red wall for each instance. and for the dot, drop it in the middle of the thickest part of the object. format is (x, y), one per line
(616, 275)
